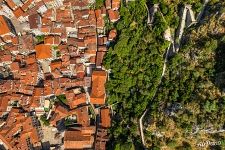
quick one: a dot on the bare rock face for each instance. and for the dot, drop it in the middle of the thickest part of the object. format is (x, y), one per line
(167, 35)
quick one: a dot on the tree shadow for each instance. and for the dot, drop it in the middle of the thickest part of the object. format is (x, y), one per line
(219, 67)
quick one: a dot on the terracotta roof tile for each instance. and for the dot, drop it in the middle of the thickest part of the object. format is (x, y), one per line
(38, 91)
(45, 29)
(113, 15)
(99, 58)
(77, 100)
(92, 59)
(108, 4)
(18, 12)
(76, 140)
(11, 4)
(90, 40)
(14, 66)
(30, 60)
(26, 5)
(3, 25)
(43, 51)
(34, 20)
(82, 116)
(105, 117)
(81, 75)
(102, 48)
(103, 11)
(79, 68)
(56, 64)
(91, 47)
(115, 4)
(6, 58)
(112, 34)
(15, 40)
(102, 40)
(57, 30)
(98, 87)
(90, 52)
(52, 40)
(98, 13)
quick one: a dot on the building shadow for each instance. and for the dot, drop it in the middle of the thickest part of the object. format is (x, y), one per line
(46, 145)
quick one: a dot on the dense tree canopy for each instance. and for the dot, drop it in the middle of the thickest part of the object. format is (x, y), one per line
(135, 62)
(136, 65)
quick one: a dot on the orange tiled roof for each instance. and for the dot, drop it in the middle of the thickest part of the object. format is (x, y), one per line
(103, 11)
(43, 51)
(14, 66)
(11, 4)
(102, 48)
(108, 4)
(102, 40)
(38, 92)
(15, 40)
(45, 29)
(90, 40)
(112, 34)
(60, 113)
(90, 52)
(6, 58)
(79, 68)
(82, 116)
(4, 100)
(57, 30)
(92, 59)
(3, 26)
(76, 140)
(30, 60)
(7, 38)
(105, 117)
(34, 21)
(98, 87)
(98, 13)
(115, 4)
(26, 5)
(78, 99)
(99, 58)
(18, 12)
(14, 123)
(56, 64)
(113, 15)
(52, 40)
(81, 75)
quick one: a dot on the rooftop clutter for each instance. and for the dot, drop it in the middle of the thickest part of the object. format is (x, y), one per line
(51, 70)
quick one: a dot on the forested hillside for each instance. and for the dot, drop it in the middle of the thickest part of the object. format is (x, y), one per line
(190, 94)
(136, 64)
(189, 107)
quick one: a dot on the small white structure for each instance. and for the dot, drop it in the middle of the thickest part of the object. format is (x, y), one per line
(47, 104)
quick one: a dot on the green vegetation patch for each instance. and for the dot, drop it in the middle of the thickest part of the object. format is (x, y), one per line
(58, 54)
(136, 63)
(69, 122)
(62, 98)
(189, 106)
(44, 120)
(39, 38)
(1, 48)
(99, 3)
